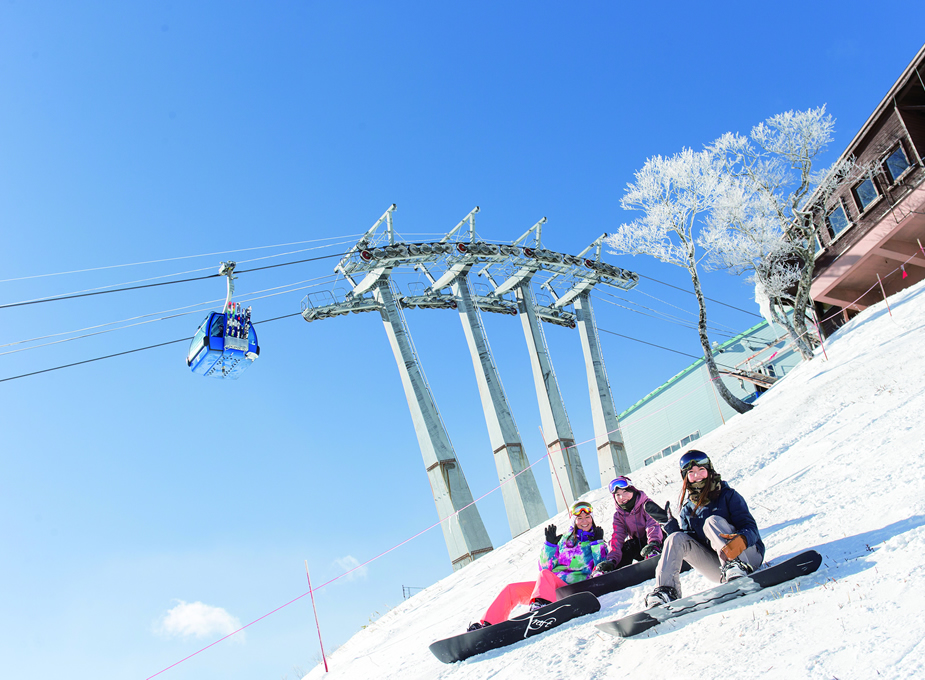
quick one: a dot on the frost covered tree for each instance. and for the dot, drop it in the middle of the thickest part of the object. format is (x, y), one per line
(676, 195)
(764, 223)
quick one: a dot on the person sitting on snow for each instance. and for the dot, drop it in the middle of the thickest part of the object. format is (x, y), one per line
(718, 537)
(636, 536)
(563, 560)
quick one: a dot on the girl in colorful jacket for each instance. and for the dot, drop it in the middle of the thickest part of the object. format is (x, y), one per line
(563, 560)
(636, 536)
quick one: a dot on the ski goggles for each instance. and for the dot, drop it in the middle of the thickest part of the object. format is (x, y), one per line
(692, 458)
(620, 483)
(579, 508)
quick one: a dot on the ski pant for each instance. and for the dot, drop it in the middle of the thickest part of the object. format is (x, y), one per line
(681, 547)
(522, 593)
(632, 552)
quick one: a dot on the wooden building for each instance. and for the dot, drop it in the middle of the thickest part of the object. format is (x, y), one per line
(875, 227)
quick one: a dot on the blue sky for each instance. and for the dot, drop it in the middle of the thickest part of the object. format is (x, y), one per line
(134, 133)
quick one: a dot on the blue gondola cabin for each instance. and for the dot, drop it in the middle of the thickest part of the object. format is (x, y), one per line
(224, 346)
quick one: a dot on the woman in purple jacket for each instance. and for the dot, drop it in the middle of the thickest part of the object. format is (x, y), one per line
(636, 536)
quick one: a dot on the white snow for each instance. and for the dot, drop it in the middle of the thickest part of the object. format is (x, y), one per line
(831, 459)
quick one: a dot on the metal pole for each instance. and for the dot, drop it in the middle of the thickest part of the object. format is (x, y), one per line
(884, 295)
(317, 625)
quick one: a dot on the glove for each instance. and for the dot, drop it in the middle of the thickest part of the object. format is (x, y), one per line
(651, 550)
(598, 534)
(655, 512)
(605, 566)
(551, 536)
(736, 544)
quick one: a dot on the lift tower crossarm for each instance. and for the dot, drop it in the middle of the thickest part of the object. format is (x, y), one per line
(450, 275)
(470, 218)
(589, 279)
(574, 292)
(364, 240)
(538, 228)
(369, 281)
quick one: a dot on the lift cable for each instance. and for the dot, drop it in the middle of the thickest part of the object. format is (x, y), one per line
(667, 349)
(184, 257)
(163, 283)
(661, 316)
(167, 276)
(199, 309)
(285, 316)
(680, 309)
(738, 309)
(130, 351)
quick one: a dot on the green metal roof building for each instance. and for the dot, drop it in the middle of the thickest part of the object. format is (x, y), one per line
(687, 406)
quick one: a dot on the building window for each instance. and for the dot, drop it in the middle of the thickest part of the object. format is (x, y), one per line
(896, 164)
(837, 220)
(866, 194)
(672, 448)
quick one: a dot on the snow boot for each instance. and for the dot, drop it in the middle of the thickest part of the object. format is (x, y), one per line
(538, 603)
(734, 569)
(661, 595)
(478, 625)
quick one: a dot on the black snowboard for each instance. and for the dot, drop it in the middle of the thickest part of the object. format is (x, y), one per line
(804, 563)
(630, 575)
(514, 630)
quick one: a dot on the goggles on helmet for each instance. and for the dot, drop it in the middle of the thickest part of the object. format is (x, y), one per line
(579, 508)
(692, 458)
(620, 483)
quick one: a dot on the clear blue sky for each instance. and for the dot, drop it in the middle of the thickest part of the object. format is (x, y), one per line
(139, 132)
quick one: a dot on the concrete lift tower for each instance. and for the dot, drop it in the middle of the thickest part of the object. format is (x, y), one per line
(463, 529)
(567, 471)
(522, 500)
(611, 451)
(375, 256)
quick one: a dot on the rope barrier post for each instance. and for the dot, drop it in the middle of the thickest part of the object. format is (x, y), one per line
(884, 295)
(819, 333)
(318, 625)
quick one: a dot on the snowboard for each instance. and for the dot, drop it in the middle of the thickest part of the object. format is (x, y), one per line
(802, 564)
(513, 630)
(618, 579)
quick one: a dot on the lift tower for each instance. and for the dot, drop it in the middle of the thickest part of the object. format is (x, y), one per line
(568, 475)
(583, 273)
(522, 500)
(611, 451)
(375, 256)
(463, 529)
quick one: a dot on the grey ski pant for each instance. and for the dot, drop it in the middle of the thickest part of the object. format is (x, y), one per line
(681, 547)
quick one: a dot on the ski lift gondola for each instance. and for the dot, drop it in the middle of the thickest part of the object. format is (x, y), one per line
(225, 345)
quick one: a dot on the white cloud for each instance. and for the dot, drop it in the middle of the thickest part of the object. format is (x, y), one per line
(196, 619)
(350, 562)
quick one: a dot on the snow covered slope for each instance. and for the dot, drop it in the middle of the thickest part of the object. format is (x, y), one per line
(833, 458)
